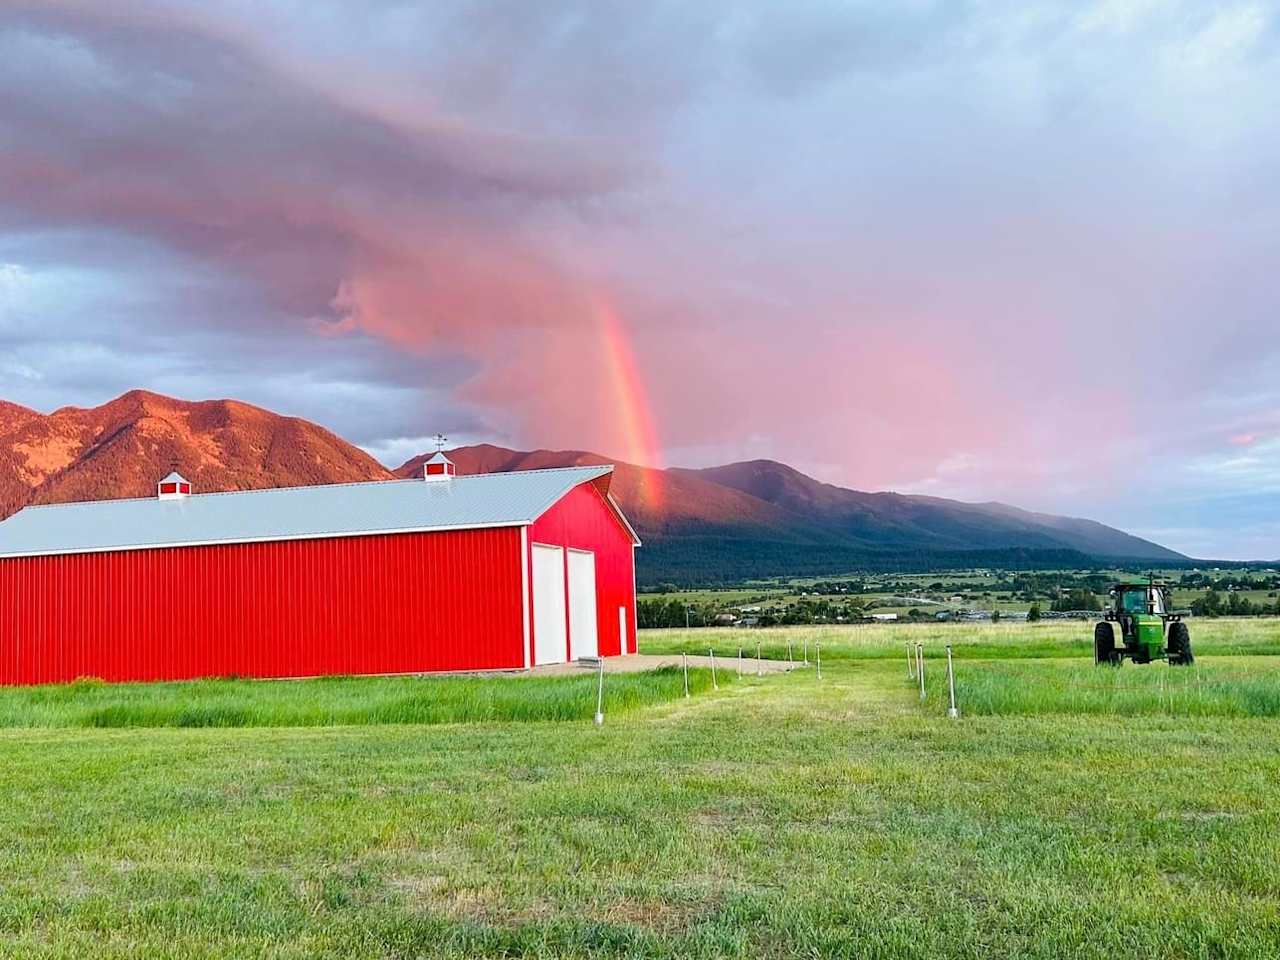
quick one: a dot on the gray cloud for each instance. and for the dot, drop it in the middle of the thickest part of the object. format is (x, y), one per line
(1007, 247)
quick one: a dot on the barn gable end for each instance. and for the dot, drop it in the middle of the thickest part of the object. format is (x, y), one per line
(586, 520)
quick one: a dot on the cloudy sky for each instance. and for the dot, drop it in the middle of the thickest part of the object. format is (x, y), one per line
(994, 250)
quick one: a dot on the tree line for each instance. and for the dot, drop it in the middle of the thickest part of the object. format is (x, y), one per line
(1212, 604)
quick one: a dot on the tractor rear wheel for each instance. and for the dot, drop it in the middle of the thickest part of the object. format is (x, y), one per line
(1180, 645)
(1104, 644)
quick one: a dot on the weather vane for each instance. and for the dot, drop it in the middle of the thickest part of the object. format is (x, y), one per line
(441, 440)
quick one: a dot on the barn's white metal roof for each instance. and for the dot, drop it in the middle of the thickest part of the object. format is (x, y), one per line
(292, 513)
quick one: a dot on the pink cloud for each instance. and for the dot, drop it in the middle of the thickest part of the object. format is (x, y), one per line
(911, 288)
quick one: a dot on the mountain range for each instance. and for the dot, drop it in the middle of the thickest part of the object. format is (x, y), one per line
(752, 519)
(762, 518)
(123, 447)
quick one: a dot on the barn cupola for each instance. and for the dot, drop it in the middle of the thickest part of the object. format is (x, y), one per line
(173, 487)
(439, 467)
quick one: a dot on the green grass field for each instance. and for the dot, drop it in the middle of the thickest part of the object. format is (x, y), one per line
(1003, 641)
(336, 701)
(776, 817)
(1223, 687)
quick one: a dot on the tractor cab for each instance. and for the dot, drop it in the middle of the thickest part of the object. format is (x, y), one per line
(1149, 630)
(1138, 598)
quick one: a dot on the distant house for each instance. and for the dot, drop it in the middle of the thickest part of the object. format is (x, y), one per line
(883, 617)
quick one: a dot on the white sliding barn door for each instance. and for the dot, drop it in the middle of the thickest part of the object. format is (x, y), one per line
(549, 640)
(582, 604)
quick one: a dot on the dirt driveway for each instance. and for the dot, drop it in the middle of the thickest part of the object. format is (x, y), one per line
(647, 661)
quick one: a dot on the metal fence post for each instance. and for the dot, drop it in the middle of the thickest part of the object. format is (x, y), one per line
(819, 643)
(953, 713)
(806, 651)
(684, 662)
(739, 661)
(711, 652)
(600, 693)
(759, 663)
(920, 667)
(911, 667)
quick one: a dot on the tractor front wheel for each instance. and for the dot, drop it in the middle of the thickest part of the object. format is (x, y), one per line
(1104, 644)
(1180, 645)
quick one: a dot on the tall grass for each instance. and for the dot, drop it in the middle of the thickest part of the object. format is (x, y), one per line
(1156, 689)
(340, 701)
(1054, 639)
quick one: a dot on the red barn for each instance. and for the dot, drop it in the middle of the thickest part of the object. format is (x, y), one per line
(488, 572)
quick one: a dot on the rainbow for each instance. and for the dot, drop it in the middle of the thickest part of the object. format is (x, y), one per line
(630, 399)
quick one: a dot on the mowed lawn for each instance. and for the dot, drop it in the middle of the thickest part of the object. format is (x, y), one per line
(780, 816)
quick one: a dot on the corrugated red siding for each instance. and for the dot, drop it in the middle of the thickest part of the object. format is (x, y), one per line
(400, 603)
(583, 520)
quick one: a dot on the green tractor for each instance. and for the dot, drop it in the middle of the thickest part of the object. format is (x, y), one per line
(1149, 628)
